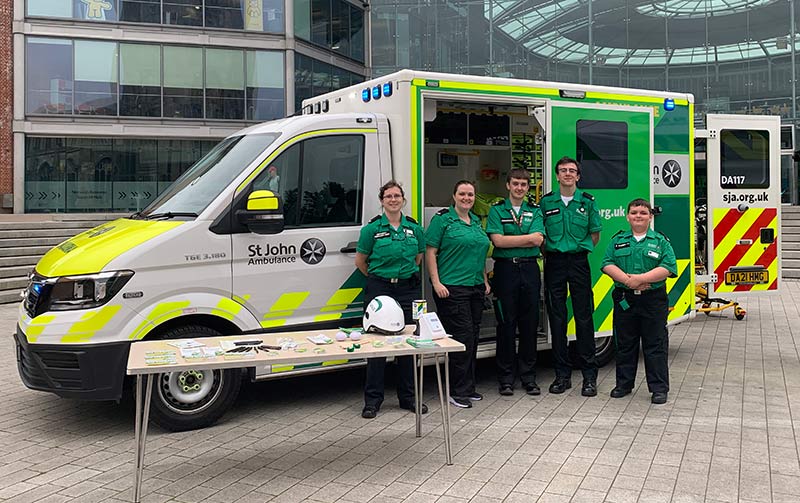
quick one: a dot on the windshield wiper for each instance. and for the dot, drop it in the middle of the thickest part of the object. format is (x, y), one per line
(170, 214)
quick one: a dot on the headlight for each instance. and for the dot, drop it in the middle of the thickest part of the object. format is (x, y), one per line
(86, 291)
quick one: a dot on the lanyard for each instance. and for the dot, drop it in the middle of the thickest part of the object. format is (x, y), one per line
(517, 221)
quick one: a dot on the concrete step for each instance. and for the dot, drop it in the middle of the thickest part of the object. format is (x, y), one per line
(10, 296)
(791, 254)
(20, 260)
(26, 233)
(32, 241)
(791, 238)
(791, 273)
(14, 226)
(18, 282)
(15, 271)
(788, 245)
(790, 263)
(37, 250)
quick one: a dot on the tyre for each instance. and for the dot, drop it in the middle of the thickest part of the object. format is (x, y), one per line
(193, 399)
(604, 350)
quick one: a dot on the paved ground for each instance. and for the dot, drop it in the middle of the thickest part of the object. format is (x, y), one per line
(729, 433)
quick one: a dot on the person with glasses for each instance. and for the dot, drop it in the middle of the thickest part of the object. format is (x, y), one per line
(572, 225)
(456, 261)
(516, 230)
(389, 252)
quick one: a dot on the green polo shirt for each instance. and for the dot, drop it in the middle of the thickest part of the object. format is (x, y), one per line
(505, 221)
(391, 253)
(637, 257)
(462, 248)
(569, 228)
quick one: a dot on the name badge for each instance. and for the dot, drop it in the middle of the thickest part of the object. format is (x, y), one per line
(653, 254)
(554, 211)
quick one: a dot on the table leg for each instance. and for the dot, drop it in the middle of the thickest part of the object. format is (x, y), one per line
(140, 431)
(417, 395)
(445, 405)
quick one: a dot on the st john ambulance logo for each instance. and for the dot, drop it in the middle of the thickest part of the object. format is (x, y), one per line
(312, 251)
(671, 173)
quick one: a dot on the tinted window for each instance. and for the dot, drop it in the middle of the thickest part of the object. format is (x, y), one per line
(265, 92)
(602, 151)
(183, 12)
(140, 11)
(49, 82)
(50, 8)
(225, 14)
(140, 80)
(225, 84)
(744, 159)
(183, 82)
(320, 181)
(95, 78)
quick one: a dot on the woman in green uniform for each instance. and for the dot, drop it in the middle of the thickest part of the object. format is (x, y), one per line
(456, 260)
(389, 253)
(639, 261)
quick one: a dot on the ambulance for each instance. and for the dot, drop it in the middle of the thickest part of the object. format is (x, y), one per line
(260, 234)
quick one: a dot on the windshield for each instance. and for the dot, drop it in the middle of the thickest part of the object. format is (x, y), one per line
(206, 179)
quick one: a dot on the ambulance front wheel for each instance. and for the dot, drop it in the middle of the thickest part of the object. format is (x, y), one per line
(193, 399)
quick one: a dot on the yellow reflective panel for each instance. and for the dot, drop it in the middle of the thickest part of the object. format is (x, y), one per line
(89, 324)
(38, 325)
(262, 200)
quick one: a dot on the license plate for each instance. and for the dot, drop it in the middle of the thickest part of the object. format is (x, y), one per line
(747, 277)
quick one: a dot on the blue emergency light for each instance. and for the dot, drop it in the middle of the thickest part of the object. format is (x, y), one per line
(376, 92)
(669, 104)
(387, 89)
(365, 95)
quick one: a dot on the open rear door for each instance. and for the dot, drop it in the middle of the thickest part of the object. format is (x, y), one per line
(744, 203)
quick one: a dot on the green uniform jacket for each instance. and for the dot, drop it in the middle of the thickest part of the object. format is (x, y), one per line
(461, 248)
(637, 257)
(569, 228)
(505, 221)
(391, 252)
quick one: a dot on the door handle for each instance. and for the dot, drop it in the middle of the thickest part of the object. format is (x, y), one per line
(349, 247)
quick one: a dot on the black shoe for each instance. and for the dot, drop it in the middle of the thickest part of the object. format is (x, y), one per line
(475, 396)
(533, 389)
(410, 407)
(461, 402)
(619, 392)
(659, 397)
(560, 385)
(369, 412)
(506, 390)
(589, 388)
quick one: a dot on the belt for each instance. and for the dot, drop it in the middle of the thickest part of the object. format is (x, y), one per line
(394, 281)
(642, 292)
(580, 252)
(516, 260)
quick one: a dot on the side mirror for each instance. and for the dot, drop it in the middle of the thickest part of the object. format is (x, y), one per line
(264, 213)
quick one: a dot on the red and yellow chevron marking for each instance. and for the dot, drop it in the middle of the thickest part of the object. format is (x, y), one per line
(730, 227)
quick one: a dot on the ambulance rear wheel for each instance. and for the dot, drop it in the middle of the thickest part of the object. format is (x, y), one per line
(193, 399)
(604, 350)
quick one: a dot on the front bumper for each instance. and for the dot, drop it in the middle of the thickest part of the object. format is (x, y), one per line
(83, 371)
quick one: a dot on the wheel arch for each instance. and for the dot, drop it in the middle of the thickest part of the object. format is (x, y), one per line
(221, 325)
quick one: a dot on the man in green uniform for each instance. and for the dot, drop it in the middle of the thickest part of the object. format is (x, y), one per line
(573, 226)
(639, 261)
(516, 230)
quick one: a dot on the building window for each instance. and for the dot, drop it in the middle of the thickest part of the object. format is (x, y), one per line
(183, 12)
(183, 82)
(224, 84)
(50, 8)
(225, 14)
(95, 78)
(265, 89)
(313, 77)
(336, 25)
(96, 10)
(48, 84)
(140, 11)
(321, 22)
(140, 80)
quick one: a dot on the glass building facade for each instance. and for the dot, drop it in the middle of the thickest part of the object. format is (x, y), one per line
(117, 98)
(735, 56)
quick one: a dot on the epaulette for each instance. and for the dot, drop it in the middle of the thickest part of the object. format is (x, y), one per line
(499, 202)
(443, 211)
(376, 217)
(410, 219)
(664, 235)
(588, 196)
(548, 194)
(530, 200)
(618, 233)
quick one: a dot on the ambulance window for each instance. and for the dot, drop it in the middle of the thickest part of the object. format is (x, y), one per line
(320, 181)
(602, 149)
(744, 159)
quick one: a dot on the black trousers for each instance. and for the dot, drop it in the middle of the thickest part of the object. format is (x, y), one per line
(404, 293)
(460, 314)
(571, 271)
(644, 319)
(517, 288)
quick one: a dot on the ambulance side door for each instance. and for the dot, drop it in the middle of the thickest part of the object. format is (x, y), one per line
(744, 203)
(613, 145)
(327, 182)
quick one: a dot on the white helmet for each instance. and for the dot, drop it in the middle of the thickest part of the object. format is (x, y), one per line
(384, 316)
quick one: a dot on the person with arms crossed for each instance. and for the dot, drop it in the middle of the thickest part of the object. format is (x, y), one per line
(389, 252)
(572, 224)
(639, 261)
(516, 230)
(456, 261)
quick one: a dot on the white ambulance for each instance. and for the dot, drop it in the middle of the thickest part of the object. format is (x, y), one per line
(260, 234)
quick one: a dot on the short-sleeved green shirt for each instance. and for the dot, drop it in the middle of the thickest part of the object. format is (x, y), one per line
(391, 253)
(461, 248)
(637, 257)
(569, 228)
(505, 221)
